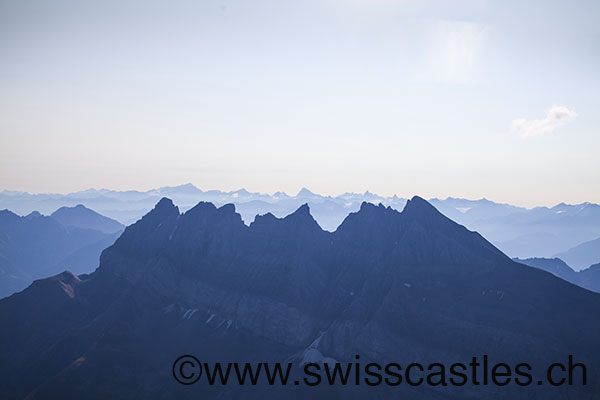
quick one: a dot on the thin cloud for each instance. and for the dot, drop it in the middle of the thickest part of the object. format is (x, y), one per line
(555, 117)
(455, 51)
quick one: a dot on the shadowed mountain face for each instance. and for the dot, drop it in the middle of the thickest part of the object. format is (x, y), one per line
(393, 287)
(37, 246)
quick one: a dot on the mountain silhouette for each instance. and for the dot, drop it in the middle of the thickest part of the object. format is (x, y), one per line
(391, 286)
(82, 217)
(588, 278)
(517, 231)
(582, 255)
(36, 246)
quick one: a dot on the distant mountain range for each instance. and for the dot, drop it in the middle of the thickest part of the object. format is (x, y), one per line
(588, 278)
(517, 231)
(36, 246)
(520, 232)
(582, 255)
(390, 286)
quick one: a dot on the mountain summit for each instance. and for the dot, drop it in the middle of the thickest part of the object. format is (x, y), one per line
(82, 217)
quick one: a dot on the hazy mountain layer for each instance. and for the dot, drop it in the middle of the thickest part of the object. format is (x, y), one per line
(519, 232)
(582, 255)
(37, 246)
(82, 217)
(588, 278)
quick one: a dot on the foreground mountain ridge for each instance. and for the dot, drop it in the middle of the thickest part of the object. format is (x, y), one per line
(388, 285)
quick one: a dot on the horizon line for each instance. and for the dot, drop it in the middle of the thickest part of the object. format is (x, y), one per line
(303, 188)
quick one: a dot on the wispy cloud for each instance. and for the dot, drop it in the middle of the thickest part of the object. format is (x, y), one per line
(455, 51)
(555, 117)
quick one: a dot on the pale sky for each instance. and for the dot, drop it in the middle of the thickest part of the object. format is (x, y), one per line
(496, 99)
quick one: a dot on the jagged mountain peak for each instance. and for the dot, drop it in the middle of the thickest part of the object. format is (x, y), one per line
(227, 208)
(164, 203)
(420, 211)
(207, 210)
(163, 211)
(418, 204)
(366, 206)
(303, 209)
(420, 233)
(202, 207)
(297, 222)
(369, 213)
(302, 215)
(263, 220)
(424, 234)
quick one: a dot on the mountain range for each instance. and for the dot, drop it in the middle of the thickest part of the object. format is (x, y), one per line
(36, 246)
(517, 231)
(582, 255)
(391, 286)
(588, 278)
